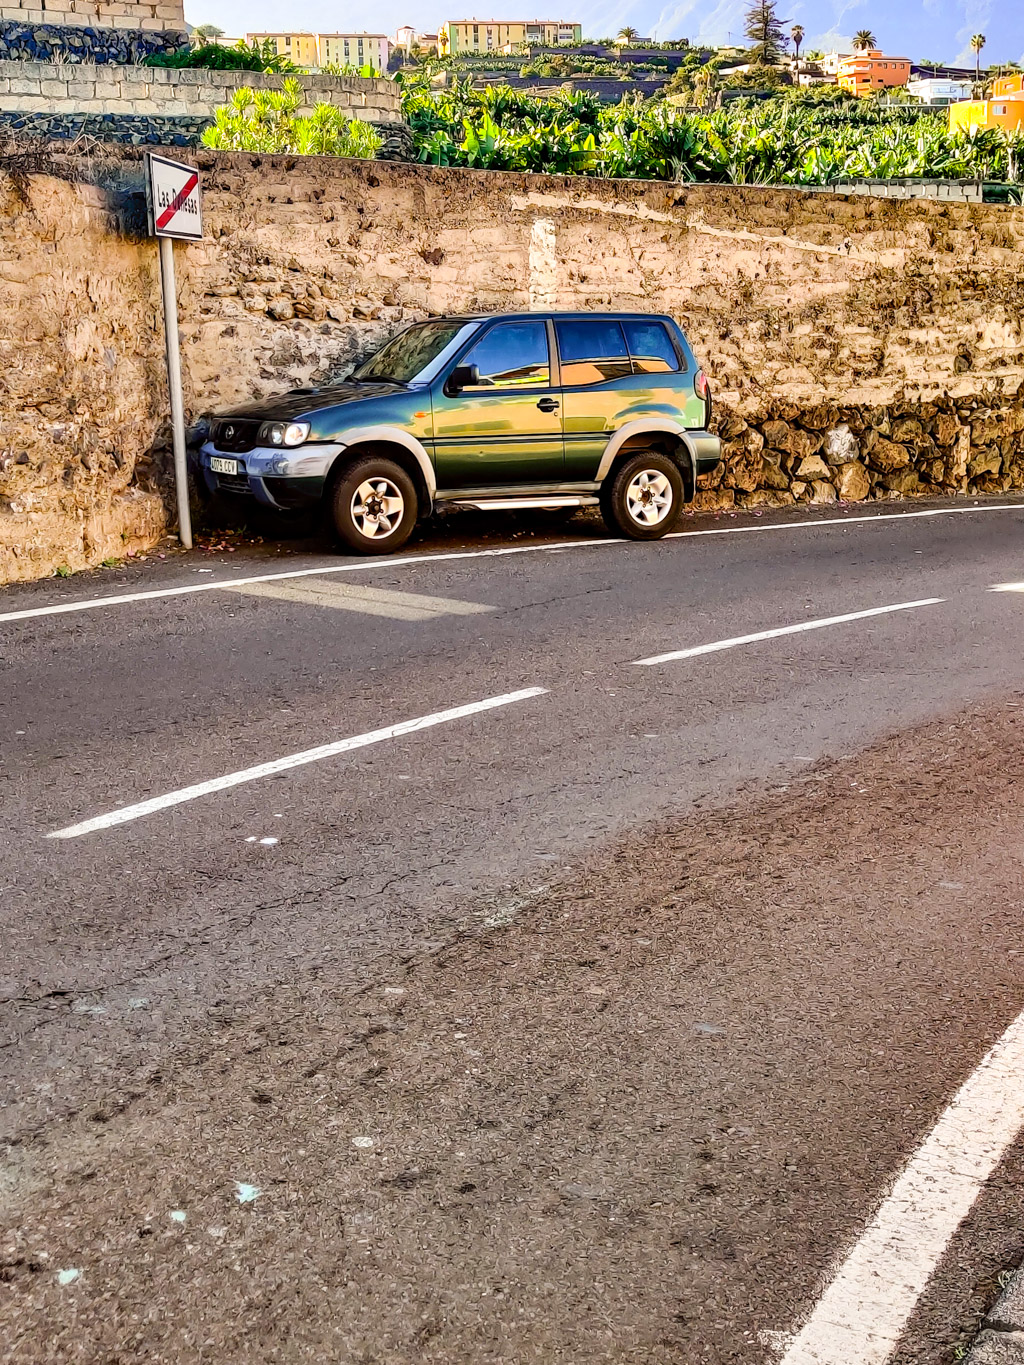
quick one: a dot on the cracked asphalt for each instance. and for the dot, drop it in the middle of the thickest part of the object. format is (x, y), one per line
(589, 1028)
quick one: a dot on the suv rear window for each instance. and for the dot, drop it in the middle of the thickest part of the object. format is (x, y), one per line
(650, 347)
(592, 351)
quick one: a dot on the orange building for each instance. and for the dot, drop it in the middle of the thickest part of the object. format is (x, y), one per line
(1008, 85)
(1004, 111)
(866, 72)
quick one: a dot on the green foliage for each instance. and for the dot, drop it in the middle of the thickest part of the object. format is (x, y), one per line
(347, 69)
(242, 56)
(796, 138)
(269, 121)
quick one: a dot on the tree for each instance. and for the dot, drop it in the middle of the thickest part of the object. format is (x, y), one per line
(865, 41)
(765, 30)
(797, 34)
(977, 43)
(208, 32)
(628, 35)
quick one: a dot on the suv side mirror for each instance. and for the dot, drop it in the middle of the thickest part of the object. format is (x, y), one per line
(463, 377)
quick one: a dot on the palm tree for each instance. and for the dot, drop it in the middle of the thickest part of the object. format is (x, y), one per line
(865, 41)
(977, 43)
(797, 34)
(628, 35)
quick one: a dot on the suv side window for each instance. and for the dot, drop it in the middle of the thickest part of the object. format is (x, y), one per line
(591, 351)
(513, 355)
(650, 347)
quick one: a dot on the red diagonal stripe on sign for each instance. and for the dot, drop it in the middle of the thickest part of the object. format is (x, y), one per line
(179, 199)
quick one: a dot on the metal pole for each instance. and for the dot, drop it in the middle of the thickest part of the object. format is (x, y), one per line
(170, 293)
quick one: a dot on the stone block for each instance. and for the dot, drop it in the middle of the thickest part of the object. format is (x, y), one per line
(26, 87)
(134, 90)
(841, 445)
(811, 467)
(1007, 1314)
(997, 1348)
(853, 481)
(82, 90)
(822, 491)
(54, 90)
(985, 462)
(887, 456)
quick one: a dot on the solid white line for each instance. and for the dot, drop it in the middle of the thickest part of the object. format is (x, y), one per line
(1007, 587)
(281, 765)
(717, 645)
(90, 603)
(860, 1317)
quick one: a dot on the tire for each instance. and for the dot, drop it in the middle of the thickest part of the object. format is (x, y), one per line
(373, 506)
(644, 496)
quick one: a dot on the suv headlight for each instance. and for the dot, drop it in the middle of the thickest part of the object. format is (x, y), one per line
(283, 433)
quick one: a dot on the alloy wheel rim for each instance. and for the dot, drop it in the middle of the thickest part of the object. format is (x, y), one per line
(649, 497)
(377, 508)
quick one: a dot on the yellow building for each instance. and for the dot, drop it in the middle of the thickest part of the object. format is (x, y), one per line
(341, 49)
(354, 49)
(491, 35)
(866, 72)
(1003, 111)
(300, 47)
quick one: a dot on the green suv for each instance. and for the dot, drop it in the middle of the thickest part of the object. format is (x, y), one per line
(520, 410)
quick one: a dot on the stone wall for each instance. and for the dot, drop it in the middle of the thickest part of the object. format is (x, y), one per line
(857, 347)
(164, 92)
(154, 15)
(25, 42)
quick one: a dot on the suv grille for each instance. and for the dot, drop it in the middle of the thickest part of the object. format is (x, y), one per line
(235, 433)
(234, 483)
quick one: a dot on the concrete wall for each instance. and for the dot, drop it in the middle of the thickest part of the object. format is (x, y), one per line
(57, 88)
(127, 14)
(857, 347)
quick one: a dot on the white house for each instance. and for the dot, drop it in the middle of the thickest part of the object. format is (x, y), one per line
(937, 91)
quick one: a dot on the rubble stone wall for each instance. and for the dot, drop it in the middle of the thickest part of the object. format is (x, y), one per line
(858, 348)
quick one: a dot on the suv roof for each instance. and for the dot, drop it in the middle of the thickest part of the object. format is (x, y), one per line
(555, 313)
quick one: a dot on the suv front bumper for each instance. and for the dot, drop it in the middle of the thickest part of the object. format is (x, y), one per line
(284, 479)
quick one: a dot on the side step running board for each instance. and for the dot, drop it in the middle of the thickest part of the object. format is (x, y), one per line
(522, 504)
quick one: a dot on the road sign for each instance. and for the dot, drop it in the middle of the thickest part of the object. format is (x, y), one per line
(175, 199)
(175, 211)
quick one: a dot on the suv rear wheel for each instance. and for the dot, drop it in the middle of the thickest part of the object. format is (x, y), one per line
(374, 506)
(643, 497)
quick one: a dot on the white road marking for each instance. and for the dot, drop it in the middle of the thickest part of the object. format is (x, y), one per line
(405, 561)
(401, 606)
(860, 1317)
(717, 645)
(1007, 587)
(281, 765)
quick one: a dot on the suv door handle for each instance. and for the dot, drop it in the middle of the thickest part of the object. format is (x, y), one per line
(548, 405)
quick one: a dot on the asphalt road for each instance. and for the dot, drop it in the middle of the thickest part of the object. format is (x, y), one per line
(132, 944)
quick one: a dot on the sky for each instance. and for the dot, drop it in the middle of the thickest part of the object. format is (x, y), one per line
(938, 30)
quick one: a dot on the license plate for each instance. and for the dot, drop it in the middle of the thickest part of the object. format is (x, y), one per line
(220, 466)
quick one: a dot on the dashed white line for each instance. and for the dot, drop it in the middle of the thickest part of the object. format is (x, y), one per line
(281, 765)
(863, 1312)
(405, 561)
(736, 640)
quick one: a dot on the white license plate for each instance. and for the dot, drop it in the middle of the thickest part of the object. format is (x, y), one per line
(220, 466)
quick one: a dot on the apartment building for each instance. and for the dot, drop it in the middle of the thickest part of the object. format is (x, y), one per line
(301, 48)
(491, 35)
(865, 72)
(355, 49)
(342, 49)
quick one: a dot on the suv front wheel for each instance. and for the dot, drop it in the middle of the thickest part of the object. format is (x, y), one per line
(644, 497)
(374, 506)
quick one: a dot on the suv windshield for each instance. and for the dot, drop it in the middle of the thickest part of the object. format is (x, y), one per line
(402, 359)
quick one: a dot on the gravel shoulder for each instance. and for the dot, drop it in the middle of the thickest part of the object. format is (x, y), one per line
(632, 1116)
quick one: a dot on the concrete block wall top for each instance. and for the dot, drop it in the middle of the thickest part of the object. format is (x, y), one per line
(168, 14)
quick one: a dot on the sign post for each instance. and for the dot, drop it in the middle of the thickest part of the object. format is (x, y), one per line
(175, 211)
